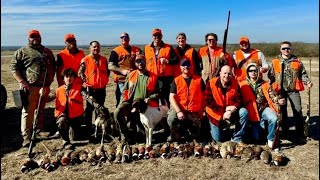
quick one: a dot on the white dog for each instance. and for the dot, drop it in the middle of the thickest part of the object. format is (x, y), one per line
(150, 117)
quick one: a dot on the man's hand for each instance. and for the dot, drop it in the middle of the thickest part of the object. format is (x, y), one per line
(146, 100)
(223, 56)
(24, 85)
(231, 108)
(264, 69)
(42, 91)
(282, 101)
(227, 115)
(180, 115)
(309, 84)
(163, 60)
(125, 72)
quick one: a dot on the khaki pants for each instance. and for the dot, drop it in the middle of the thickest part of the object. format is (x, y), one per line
(27, 115)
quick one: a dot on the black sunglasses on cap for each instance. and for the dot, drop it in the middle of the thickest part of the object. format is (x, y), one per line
(124, 37)
(142, 61)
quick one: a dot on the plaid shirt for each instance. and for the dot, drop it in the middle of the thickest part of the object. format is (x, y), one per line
(209, 99)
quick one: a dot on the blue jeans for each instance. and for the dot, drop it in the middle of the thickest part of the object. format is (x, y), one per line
(268, 115)
(241, 126)
(119, 90)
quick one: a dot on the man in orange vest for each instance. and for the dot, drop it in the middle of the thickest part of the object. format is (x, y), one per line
(212, 58)
(260, 100)
(185, 51)
(222, 106)
(139, 84)
(70, 57)
(246, 55)
(186, 99)
(121, 62)
(161, 60)
(94, 73)
(295, 77)
(68, 108)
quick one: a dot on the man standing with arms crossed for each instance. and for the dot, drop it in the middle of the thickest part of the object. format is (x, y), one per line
(161, 60)
(121, 62)
(246, 55)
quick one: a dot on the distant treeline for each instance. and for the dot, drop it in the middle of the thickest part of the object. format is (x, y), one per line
(300, 49)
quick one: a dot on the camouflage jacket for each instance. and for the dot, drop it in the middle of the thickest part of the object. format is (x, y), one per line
(262, 102)
(287, 78)
(32, 64)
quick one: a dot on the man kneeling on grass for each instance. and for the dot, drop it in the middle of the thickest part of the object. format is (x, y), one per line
(260, 100)
(69, 107)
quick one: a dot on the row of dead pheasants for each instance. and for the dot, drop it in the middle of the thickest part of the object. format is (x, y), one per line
(119, 152)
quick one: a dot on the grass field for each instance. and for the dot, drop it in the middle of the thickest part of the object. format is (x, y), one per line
(303, 164)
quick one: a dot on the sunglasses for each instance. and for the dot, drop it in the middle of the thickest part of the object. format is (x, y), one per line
(142, 61)
(252, 70)
(286, 48)
(124, 37)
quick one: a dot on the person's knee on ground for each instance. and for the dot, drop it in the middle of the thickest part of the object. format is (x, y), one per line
(241, 125)
(63, 128)
(215, 132)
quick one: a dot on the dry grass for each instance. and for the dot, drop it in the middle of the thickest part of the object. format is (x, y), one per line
(303, 164)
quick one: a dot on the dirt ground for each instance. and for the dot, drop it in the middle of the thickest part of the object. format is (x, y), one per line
(303, 164)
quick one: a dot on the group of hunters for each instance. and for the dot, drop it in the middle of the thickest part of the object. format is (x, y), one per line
(204, 86)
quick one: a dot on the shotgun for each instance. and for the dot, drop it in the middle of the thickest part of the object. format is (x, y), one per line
(276, 140)
(221, 63)
(306, 124)
(224, 46)
(35, 120)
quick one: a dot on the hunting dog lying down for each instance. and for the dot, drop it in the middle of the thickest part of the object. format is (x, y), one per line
(150, 116)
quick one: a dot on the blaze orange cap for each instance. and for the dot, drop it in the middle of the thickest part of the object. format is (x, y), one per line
(69, 36)
(156, 31)
(34, 32)
(244, 39)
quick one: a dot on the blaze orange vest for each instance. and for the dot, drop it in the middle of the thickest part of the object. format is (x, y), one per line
(241, 72)
(96, 76)
(189, 98)
(70, 61)
(187, 55)
(205, 57)
(250, 101)
(154, 65)
(297, 84)
(125, 61)
(75, 101)
(221, 100)
(133, 78)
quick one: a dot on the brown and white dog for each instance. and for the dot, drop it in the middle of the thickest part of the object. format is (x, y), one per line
(150, 116)
(102, 121)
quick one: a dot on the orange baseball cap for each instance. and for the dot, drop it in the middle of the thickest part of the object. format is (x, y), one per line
(69, 36)
(156, 31)
(244, 39)
(34, 32)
